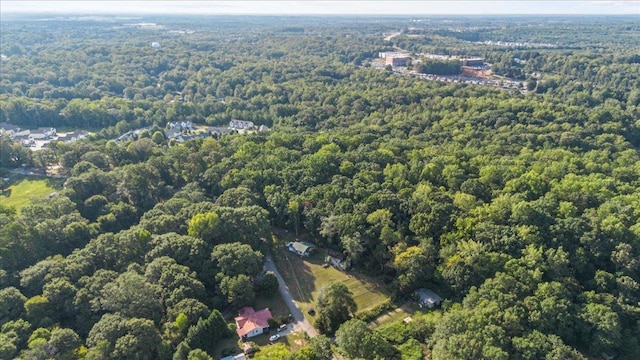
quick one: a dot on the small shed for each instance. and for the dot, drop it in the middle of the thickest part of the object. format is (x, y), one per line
(428, 298)
(336, 260)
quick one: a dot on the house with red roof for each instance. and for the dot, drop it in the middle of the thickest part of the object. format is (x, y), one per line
(251, 323)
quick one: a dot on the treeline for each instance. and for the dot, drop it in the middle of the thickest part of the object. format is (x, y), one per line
(439, 67)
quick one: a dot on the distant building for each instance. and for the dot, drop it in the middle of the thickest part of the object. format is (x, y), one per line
(240, 124)
(126, 136)
(428, 298)
(155, 45)
(43, 133)
(182, 125)
(74, 136)
(473, 62)
(397, 60)
(216, 131)
(172, 133)
(8, 129)
(263, 128)
(250, 323)
(390, 54)
(24, 137)
(303, 248)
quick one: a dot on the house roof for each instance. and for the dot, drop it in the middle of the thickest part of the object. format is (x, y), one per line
(240, 356)
(249, 320)
(301, 247)
(428, 296)
(8, 126)
(235, 123)
(37, 136)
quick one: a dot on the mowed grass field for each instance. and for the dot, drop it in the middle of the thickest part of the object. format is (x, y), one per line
(307, 277)
(23, 189)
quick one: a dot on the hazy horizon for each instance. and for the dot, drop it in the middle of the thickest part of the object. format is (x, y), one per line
(422, 8)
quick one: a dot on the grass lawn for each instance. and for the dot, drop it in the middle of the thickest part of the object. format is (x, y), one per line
(306, 277)
(23, 189)
(294, 341)
(275, 304)
(406, 310)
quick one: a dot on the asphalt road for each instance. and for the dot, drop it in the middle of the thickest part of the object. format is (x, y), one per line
(299, 321)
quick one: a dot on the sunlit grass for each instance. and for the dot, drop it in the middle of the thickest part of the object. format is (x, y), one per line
(307, 277)
(23, 191)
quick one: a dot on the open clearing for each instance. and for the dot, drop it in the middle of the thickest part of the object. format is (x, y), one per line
(306, 277)
(24, 189)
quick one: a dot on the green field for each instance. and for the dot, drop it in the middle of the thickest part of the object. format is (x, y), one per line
(275, 304)
(306, 277)
(24, 189)
(408, 309)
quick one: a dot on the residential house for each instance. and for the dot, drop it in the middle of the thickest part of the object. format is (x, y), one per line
(8, 129)
(240, 124)
(129, 135)
(263, 128)
(24, 137)
(43, 133)
(303, 248)
(172, 132)
(251, 323)
(182, 125)
(428, 298)
(216, 131)
(74, 136)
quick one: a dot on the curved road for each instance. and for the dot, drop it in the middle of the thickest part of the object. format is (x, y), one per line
(300, 322)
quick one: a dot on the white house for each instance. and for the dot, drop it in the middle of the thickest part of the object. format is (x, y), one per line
(252, 323)
(303, 248)
(428, 298)
(240, 124)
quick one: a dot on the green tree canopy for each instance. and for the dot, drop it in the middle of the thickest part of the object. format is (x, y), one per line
(335, 305)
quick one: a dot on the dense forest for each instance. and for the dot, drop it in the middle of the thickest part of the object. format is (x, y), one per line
(522, 208)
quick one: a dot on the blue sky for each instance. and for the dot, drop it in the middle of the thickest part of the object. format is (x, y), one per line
(325, 7)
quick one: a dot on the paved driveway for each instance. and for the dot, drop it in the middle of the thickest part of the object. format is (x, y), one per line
(299, 321)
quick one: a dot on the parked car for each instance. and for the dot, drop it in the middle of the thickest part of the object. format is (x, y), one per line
(274, 337)
(282, 327)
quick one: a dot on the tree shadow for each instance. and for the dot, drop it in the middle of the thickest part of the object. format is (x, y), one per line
(55, 183)
(299, 276)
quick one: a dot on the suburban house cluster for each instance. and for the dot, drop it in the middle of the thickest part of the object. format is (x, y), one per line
(40, 137)
(183, 131)
(236, 124)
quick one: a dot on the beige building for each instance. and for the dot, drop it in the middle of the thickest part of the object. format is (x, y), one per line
(397, 60)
